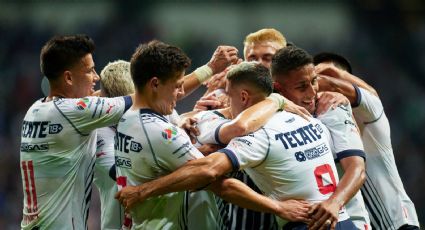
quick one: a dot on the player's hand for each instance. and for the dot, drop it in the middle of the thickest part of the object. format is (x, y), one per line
(129, 196)
(323, 215)
(326, 100)
(188, 124)
(223, 57)
(96, 93)
(294, 210)
(329, 70)
(218, 81)
(207, 149)
(207, 102)
(296, 109)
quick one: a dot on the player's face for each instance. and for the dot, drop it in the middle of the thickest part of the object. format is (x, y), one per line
(168, 93)
(261, 52)
(300, 86)
(235, 99)
(84, 77)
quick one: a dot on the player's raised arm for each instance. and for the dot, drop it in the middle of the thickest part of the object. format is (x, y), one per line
(222, 58)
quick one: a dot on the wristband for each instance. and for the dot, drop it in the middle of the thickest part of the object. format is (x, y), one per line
(203, 73)
(279, 99)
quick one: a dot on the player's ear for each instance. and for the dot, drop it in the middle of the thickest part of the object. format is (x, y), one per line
(154, 84)
(277, 87)
(67, 75)
(244, 96)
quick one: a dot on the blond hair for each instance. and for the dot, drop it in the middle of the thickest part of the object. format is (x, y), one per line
(265, 35)
(115, 79)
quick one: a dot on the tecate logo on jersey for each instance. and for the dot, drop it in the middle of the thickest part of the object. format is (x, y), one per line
(312, 153)
(123, 162)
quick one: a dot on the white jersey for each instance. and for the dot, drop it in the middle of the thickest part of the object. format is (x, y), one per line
(346, 142)
(112, 214)
(58, 143)
(209, 123)
(147, 147)
(385, 197)
(289, 158)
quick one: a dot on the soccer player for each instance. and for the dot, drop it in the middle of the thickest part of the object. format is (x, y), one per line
(58, 140)
(115, 81)
(149, 146)
(259, 46)
(386, 200)
(288, 158)
(294, 77)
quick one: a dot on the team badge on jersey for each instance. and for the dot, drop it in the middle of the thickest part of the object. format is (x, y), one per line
(82, 103)
(170, 134)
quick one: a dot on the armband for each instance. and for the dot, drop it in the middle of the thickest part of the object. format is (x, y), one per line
(279, 99)
(203, 73)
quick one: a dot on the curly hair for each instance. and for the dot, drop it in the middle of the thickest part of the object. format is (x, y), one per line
(115, 79)
(157, 59)
(62, 52)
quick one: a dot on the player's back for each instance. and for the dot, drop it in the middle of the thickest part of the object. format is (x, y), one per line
(289, 158)
(148, 146)
(57, 159)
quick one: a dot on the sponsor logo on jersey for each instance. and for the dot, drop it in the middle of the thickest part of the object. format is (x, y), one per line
(301, 136)
(249, 143)
(40, 147)
(82, 103)
(170, 134)
(35, 129)
(311, 153)
(125, 143)
(123, 162)
(290, 120)
(55, 128)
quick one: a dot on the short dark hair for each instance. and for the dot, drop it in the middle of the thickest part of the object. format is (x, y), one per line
(156, 59)
(62, 52)
(340, 61)
(288, 59)
(252, 73)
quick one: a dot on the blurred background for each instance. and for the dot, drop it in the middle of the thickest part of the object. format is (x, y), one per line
(384, 39)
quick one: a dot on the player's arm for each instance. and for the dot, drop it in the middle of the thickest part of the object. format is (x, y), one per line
(348, 149)
(236, 192)
(208, 171)
(350, 183)
(337, 80)
(223, 57)
(254, 117)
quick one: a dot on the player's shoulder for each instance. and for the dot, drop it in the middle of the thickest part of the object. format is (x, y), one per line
(340, 112)
(210, 115)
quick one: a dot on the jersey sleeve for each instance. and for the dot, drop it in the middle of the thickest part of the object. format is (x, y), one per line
(346, 140)
(174, 118)
(369, 108)
(209, 124)
(171, 146)
(89, 113)
(105, 153)
(248, 151)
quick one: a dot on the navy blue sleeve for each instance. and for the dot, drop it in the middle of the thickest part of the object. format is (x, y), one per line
(128, 102)
(358, 97)
(350, 153)
(232, 157)
(217, 136)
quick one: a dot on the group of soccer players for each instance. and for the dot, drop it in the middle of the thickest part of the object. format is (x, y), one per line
(314, 154)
